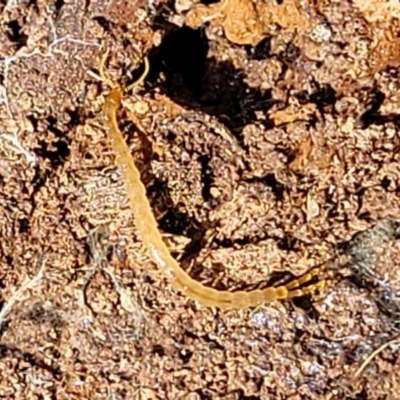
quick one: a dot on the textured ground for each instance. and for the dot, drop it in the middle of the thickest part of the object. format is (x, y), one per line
(264, 148)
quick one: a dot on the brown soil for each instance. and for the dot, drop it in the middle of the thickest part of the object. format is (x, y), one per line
(268, 140)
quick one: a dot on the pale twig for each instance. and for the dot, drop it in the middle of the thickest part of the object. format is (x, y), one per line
(374, 354)
(18, 294)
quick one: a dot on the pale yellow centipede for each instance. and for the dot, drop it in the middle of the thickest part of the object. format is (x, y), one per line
(152, 239)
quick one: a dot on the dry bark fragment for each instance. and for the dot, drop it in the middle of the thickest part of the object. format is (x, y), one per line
(245, 22)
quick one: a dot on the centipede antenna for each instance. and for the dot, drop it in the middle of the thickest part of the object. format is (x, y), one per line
(142, 76)
(102, 70)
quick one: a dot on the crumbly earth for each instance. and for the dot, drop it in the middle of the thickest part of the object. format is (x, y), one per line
(271, 152)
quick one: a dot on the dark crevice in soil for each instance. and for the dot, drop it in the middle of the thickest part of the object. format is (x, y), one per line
(31, 359)
(57, 152)
(376, 118)
(289, 55)
(182, 57)
(15, 35)
(270, 181)
(77, 117)
(104, 23)
(323, 95)
(61, 151)
(176, 223)
(204, 394)
(261, 51)
(39, 180)
(373, 98)
(208, 2)
(207, 176)
(305, 303)
(185, 355)
(288, 243)
(242, 242)
(205, 84)
(34, 4)
(58, 4)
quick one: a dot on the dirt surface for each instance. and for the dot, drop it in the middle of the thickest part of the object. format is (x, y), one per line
(268, 139)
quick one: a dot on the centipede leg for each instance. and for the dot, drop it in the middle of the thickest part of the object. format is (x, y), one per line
(304, 291)
(296, 287)
(307, 277)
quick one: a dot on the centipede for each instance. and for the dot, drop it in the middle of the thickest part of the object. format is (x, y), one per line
(151, 236)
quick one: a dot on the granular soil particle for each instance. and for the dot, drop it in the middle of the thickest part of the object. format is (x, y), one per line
(268, 141)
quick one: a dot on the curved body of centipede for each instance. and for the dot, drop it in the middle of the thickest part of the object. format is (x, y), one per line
(152, 239)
